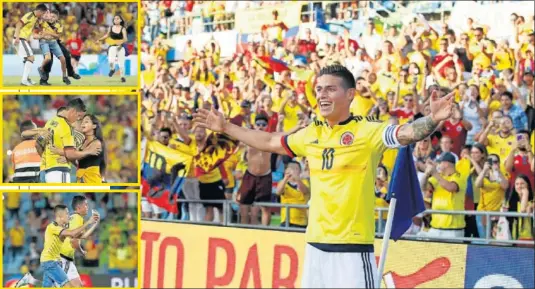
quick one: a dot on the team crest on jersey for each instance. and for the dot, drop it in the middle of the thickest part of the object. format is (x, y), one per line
(459, 128)
(347, 139)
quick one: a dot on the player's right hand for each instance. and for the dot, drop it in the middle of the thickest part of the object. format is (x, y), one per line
(210, 119)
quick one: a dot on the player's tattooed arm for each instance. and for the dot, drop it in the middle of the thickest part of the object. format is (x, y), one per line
(417, 130)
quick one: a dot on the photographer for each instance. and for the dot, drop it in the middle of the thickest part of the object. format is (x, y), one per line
(492, 185)
(520, 159)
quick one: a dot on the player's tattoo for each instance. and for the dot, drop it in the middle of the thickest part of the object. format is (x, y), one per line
(417, 130)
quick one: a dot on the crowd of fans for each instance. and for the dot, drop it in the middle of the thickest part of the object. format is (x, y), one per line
(484, 151)
(85, 21)
(111, 249)
(117, 114)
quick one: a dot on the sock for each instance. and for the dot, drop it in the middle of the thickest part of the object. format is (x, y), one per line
(27, 69)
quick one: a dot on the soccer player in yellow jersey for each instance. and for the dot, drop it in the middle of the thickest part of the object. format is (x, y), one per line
(76, 220)
(57, 169)
(343, 153)
(55, 234)
(23, 32)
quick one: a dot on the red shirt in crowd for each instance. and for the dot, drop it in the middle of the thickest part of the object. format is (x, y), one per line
(521, 167)
(272, 121)
(75, 46)
(352, 43)
(457, 132)
(306, 46)
(402, 113)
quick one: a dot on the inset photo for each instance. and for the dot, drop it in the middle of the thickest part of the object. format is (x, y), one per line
(62, 44)
(70, 240)
(55, 139)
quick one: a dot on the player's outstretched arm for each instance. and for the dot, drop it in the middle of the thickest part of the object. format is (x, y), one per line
(441, 109)
(215, 121)
(76, 232)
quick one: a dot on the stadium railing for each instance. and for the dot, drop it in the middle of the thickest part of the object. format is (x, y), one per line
(482, 241)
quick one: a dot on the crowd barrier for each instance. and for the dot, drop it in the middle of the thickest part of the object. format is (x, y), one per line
(487, 239)
(177, 255)
(90, 64)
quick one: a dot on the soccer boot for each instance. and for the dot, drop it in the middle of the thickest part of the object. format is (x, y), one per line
(25, 280)
(26, 83)
(123, 79)
(44, 82)
(66, 80)
(111, 73)
(31, 81)
(76, 76)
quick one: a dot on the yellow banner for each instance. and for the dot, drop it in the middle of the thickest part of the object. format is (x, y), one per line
(251, 20)
(194, 256)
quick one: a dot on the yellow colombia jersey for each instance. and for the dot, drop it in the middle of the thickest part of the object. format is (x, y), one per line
(53, 242)
(293, 196)
(28, 22)
(75, 222)
(445, 200)
(491, 197)
(343, 160)
(62, 137)
(55, 27)
(500, 146)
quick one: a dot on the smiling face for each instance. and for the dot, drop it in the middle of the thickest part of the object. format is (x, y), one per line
(333, 98)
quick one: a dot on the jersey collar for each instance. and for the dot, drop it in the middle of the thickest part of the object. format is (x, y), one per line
(348, 120)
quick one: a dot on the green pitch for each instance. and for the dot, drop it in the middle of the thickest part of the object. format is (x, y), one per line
(85, 81)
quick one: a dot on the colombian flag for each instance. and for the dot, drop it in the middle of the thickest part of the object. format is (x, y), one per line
(271, 64)
(219, 148)
(164, 172)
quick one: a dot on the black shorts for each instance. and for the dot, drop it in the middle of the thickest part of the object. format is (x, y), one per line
(212, 192)
(255, 189)
(76, 57)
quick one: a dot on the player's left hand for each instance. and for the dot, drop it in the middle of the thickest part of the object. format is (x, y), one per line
(441, 108)
(55, 150)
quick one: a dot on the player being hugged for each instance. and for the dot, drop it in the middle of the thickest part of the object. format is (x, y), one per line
(23, 32)
(116, 51)
(61, 146)
(343, 153)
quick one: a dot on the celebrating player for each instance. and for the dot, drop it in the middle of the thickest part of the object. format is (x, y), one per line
(80, 207)
(116, 51)
(343, 153)
(23, 31)
(56, 167)
(51, 31)
(70, 244)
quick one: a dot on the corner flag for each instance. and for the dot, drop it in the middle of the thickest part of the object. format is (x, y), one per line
(405, 187)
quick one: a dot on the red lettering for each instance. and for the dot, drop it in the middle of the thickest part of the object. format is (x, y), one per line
(252, 265)
(289, 281)
(175, 242)
(211, 279)
(149, 238)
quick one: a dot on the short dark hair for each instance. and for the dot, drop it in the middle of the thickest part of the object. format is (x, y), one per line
(480, 29)
(167, 130)
(508, 94)
(26, 125)
(77, 200)
(41, 7)
(61, 109)
(77, 104)
(58, 208)
(294, 162)
(340, 71)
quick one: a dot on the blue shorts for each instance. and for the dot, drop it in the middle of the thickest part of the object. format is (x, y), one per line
(42, 178)
(53, 275)
(48, 46)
